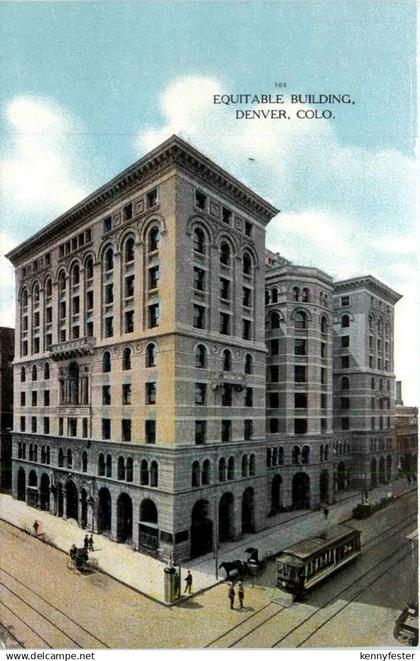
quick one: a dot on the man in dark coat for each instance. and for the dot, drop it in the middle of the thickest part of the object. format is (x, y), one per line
(86, 542)
(241, 594)
(231, 594)
(91, 543)
(188, 583)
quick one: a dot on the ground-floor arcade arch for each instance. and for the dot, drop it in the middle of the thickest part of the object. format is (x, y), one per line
(201, 529)
(276, 494)
(44, 492)
(248, 511)
(148, 525)
(104, 510)
(226, 518)
(21, 484)
(301, 491)
(72, 498)
(124, 518)
(324, 488)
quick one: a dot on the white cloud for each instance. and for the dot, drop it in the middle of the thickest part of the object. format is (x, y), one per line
(345, 209)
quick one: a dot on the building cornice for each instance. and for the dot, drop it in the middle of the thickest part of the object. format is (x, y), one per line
(368, 282)
(172, 152)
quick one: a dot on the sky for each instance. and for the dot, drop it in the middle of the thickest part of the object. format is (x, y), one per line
(86, 88)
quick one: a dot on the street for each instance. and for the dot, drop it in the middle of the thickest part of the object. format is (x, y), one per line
(43, 604)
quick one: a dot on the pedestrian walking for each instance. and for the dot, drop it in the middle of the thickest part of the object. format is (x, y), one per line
(188, 582)
(86, 542)
(91, 543)
(241, 594)
(35, 527)
(231, 595)
(326, 512)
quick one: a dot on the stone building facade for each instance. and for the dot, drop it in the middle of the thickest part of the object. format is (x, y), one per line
(159, 399)
(6, 406)
(406, 432)
(364, 382)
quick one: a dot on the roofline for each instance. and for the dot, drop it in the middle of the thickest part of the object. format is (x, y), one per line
(174, 150)
(273, 271)
(365, 280)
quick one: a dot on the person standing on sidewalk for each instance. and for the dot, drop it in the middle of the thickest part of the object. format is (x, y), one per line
(326, 513)
(241, 594)
(91, 543)
(231, 594)
(86, 542)
(188, 583)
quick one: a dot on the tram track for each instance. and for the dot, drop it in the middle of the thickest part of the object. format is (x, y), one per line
(94, 640)
(402, 524)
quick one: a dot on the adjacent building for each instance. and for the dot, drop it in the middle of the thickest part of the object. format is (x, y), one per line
(406, 432)
(6, 406)
(160, 398)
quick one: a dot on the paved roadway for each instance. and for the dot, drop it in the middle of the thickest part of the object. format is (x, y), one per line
(43, 604)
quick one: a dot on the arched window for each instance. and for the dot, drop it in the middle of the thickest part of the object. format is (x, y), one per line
(296, 293)
(34, 373)
(275, 456)
(295, 454)
(225, 254)
(109, 259)
(48, 288)
(305, 295)
(246, 263)
(151, 355)
(35, 452)
(305, 454)
(153, 240)
(268, 459)
(22, 375)
(35, 293)
(195, 474)
(199, 242)
(386, 329)
(231, 469)
(126, 361)
(372, 383)
(24, 298)
(129, 250)
(381, 385)
(121, 469)
(101, 465)
(244, 465)
(89, 268)
(324, 324)
(371, 322)
(275, 319)
(206, 472)
(62, 282)
(281, 456)
(106, 362)
(379, 326)
(345, 321)
(326, 300)
(60, 457)
(201, 356)
(69, 458)
(75, 275)
(154, 478)
(345, 383)
(109, 465)
(227, 360)
(252, 465)
(248, 364)
(46, 371)
(222, 469)
(274, 295)
(144, 472)
(326, 452)
(43, 454)
(84, 461)
(300, 320)
(129, 470)
(267, 297)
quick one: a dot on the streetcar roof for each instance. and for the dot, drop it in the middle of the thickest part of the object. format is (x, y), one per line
(315, 544)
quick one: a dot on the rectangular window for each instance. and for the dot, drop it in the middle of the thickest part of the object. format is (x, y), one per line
(370, 342)
(154, 277)
(85, 427)
(226, 431)
(379, 363)
(22, 423)
(23, 399)
(129, 287)
(300, 374)
(199, 316)
(345, 402)
(225, 289)
(36, 320)
(72, 427)
(89, 300)
(126, 393)
(323, 424)
(372, 403)
(128, 212)
(129, 321)
(224, 323)
(274, 347)
(151, 198)
(226, 395)
(46, 425)
(34, 398)
(246, 329)
(200, 393)
(76, 305)
(200, 432)
(75, 331)
(126, 430)
(301, 400)
(106, 429)
(89, 329)
(226, 215)
(150, 429)
(345, 424)
(246, 297)
(324, 401)
(301, 425)
(200, 199)
(107, 224)
(273, 400)
(109, 293)
(345, 341)
(109, 326)
(34, 425)
(300, 347)
(249, 397)
(345, 301)
(371, 361)
(372, 423)
(248, 429)
(199, 279)
(60, 426)
(36, 345)
(88, 234)
(273, 425)
(323, 376)
(248, 228)
(323, 349)
(151, 392)
(274, 373)
(154, 315)
(62, 310)
(106, 395)
(345, 362)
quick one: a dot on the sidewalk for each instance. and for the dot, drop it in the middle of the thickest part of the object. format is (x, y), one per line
(145, 574)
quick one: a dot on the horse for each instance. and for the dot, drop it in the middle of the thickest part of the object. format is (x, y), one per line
(237, 566)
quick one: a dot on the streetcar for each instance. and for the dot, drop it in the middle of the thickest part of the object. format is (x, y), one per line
(309, 562)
